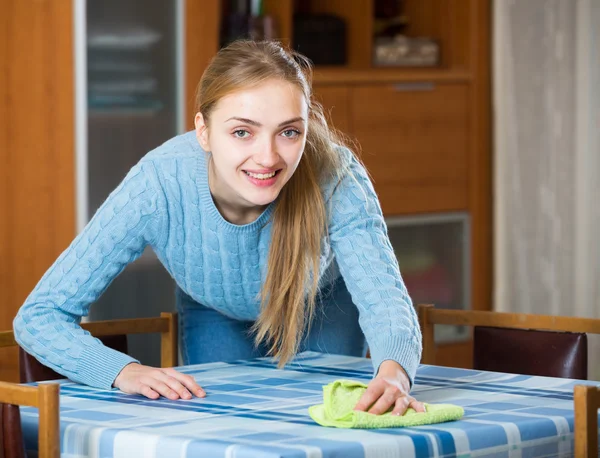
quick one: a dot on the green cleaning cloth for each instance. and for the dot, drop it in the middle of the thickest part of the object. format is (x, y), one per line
(340, 398)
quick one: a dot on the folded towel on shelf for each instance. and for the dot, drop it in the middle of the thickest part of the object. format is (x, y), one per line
(340, 398)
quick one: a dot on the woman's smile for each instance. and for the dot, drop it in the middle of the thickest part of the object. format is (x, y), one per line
(262, 178)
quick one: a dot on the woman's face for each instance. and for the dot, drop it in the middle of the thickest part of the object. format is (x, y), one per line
(256, 137)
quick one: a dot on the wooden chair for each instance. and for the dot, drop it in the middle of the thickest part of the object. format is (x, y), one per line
(587, 402)
(507, 334)
(113, 333)
(45, 398)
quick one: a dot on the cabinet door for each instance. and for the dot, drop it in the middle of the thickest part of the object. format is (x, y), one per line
(335, 101)
(433, 252)
(414, 142)
(134, 102)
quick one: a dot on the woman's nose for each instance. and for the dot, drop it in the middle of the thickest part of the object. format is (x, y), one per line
(267, 156)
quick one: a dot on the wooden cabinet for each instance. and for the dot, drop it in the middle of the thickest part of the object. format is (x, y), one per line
(415, 148)
(414, 141)
(336, 104)
(424, 132)
(37, 136)
(37, 209)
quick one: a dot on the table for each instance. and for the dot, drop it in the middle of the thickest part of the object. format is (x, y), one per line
(255, 410)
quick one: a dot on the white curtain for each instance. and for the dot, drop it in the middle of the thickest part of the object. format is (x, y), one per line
(547, 159)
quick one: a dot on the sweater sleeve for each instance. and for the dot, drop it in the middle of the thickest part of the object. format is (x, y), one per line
(367, 262)
(47, 325)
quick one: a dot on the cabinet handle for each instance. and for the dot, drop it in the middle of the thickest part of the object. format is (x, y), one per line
(416, 86)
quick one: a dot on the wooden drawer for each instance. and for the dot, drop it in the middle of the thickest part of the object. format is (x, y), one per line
(414, 144)
(336, 105)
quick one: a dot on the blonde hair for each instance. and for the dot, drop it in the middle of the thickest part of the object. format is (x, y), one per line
(299, 222)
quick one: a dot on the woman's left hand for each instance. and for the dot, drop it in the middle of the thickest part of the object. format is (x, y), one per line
(390, 388)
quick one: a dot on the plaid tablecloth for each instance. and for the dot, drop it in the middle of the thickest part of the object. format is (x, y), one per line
(255, 410)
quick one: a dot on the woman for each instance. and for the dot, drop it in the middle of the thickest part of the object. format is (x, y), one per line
(264, 221)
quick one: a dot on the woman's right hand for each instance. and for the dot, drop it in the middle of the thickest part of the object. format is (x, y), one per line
(153, 382)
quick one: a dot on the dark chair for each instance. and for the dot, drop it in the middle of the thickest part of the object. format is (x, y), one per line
(518, 343)
(45, 398)
(113, 334)
(587, 402)
(546, 353)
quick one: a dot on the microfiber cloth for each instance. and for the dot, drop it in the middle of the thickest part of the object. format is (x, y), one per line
(340, 398)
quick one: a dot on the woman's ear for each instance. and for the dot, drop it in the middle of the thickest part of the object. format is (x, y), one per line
(202, 131)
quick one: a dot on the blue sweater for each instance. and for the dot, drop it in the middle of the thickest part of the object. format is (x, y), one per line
(165, 202)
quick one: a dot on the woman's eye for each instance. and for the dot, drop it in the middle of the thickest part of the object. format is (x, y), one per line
(291, 133)
(241, 133)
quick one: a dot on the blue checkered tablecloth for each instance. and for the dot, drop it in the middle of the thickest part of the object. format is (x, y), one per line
(255, 410)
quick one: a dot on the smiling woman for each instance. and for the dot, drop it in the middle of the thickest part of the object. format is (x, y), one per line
(256, 140)
(270, 228)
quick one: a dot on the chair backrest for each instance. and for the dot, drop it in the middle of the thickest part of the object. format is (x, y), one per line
(587, 402)
(575, 354)
(547, 353)
(45, 398)
(112, 333)
(165, 324)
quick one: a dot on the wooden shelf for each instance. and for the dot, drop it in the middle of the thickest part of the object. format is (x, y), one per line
(344, 75)
(121, 113)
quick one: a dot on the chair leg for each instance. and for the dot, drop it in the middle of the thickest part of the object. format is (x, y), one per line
(586, 421)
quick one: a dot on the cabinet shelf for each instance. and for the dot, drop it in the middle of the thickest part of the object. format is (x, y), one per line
(344, 75)
(121, 113)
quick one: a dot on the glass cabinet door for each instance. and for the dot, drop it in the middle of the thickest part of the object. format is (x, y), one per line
(433, 253)
(132, 104)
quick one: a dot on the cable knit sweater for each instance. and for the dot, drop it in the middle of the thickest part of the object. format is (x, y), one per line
(165, 202)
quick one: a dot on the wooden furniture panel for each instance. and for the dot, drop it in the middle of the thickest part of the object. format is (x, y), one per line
(447, 21)
(468, 19)
(424, 19)
(336, 105)
(480, 155)
(37, 206)
(202, 22)
(334, 76)
(414, 140)
(282, 12)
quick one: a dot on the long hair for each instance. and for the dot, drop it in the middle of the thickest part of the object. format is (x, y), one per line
(299, 221)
